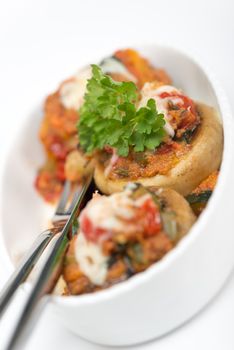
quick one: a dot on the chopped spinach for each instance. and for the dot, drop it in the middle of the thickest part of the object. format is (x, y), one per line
(112, 260)
(202, 197)
(138, 191)
(120, 251)
(198, 201)
(170, 224)
(173, 106)
(141, 159)
(122, 172)
(137, 253)
(130, 270)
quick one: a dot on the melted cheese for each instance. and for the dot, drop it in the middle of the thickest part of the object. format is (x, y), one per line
(148, 91)
(112, 65)
(107, 213)
(72, 92)
(111, 212)
(91, 260)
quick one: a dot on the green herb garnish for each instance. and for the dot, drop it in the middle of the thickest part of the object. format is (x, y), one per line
(109, 116)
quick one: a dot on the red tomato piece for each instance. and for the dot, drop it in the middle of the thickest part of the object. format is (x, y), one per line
(152, 218)
(187, 102)
(91, 232)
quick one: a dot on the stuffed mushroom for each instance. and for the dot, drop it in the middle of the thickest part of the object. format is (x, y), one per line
(122, 235)
(189, 152)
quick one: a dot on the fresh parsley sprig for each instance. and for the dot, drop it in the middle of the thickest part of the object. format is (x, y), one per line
(109, 116)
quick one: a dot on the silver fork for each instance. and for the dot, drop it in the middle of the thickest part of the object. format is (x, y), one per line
(61, 215)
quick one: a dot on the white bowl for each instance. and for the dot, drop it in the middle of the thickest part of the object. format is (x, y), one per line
(169, 293)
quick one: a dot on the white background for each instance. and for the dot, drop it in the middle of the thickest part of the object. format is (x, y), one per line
(38, 38)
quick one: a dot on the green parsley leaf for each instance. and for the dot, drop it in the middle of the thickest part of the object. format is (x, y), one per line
(109, 116)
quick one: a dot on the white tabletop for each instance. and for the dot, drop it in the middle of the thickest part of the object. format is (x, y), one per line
(37, 39)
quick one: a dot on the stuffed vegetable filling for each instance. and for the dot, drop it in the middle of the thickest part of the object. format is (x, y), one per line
(181, 121)
(200, 196)
(119, 236)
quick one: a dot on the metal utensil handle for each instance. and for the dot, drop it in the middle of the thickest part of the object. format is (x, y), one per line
(23, 270)
(46, 280)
